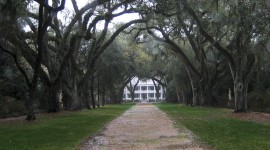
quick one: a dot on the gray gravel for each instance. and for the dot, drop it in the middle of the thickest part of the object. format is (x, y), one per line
(143, 127)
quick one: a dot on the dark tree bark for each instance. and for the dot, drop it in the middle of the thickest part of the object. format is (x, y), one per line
(194, 87)
(239, 64)
(53, 96)
(131, 88)
(103, 99)
(92, 93)
(42, 29)
(119, 97)
(98, 91)
(157, 88)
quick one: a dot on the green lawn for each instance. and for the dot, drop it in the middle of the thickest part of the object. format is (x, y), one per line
(216, 128)
(57, 132)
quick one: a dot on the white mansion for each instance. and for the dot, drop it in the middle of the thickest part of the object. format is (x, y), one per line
(145, 91)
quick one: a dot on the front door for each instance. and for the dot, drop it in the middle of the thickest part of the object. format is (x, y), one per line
(144, 98)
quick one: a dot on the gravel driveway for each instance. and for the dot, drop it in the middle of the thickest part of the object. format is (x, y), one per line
(142, 127)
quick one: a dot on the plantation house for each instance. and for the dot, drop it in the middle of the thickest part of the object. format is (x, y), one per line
(145, 90)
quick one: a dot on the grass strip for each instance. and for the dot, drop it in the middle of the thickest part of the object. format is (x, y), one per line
(63, 131)
(216, 128)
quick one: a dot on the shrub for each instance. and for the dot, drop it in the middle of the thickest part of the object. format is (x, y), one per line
(259, 100)
(10, 107)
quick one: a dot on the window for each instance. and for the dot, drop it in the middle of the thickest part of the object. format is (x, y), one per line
(124, 96)
(151, 88)
(151, 95)
(137, 88)
(144, 88)
(129, 95)
(136, 95)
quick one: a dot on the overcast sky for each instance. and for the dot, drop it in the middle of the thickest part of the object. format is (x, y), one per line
(123, 18)
(66, 14)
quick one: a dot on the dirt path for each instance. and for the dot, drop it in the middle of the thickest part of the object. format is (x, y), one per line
(144, 127)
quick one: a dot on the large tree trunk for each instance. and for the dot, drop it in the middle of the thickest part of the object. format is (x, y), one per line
(240, 95)
(132, 97)
(131, 88)
(86, 98)
(189, 97)
(157, 90)
(244, 63)
(67, 101)
(92, 92)
(98, 92)
(206, 92)
(30, 107)
(71, 95)
(53, 96)
(114, 97)
(241, 75)
(85, 95)
(71, 100)
(206, 96)
(195, 88)
(196, 95)
(84, 82)
(179, 96)
(103, 99)
(164, 91)
(119, 97)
